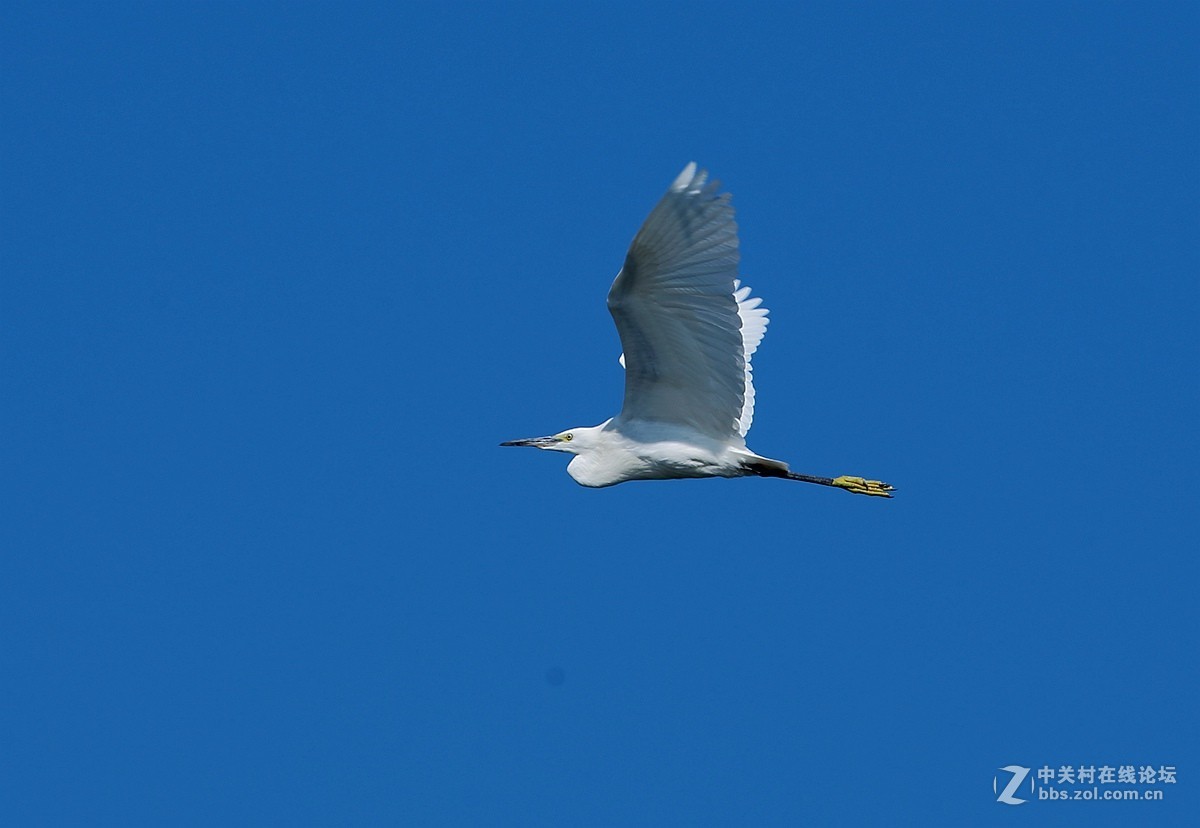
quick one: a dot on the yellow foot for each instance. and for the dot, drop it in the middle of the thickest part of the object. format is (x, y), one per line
(867, 487)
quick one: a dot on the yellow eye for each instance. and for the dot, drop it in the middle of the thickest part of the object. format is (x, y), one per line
(568, 437)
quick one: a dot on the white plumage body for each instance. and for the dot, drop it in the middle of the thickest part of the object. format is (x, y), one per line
(648, 450)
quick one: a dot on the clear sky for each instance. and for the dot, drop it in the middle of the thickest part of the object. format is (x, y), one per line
(278, 278)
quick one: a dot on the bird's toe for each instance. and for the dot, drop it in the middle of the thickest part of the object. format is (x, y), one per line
(858, 485)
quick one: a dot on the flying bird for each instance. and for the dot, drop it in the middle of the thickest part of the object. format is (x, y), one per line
(689, 328)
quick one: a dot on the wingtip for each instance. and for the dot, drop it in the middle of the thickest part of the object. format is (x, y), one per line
(684, 179)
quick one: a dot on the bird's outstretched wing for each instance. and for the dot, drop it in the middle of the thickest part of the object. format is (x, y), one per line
(687, 325)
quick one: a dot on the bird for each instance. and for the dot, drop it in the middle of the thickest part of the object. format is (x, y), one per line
(689, 328)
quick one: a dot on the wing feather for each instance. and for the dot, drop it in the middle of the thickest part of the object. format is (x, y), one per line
(687, 326)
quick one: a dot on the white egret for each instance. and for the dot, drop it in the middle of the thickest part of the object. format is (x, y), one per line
(689, 328)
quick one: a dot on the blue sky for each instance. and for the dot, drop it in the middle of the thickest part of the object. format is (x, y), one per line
(278, 278)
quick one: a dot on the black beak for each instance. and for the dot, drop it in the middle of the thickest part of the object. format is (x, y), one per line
(536, 442)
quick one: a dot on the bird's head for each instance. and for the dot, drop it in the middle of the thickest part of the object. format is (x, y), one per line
(572, 441)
